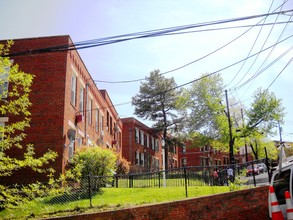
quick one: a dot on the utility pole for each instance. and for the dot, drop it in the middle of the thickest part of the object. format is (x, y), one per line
(231, 153)
(245, 144)
(280, 148)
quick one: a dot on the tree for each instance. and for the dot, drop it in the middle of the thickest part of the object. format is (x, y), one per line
(157, 101)
(209, 122)
(264, 115)
(207, 119)
(14, 93)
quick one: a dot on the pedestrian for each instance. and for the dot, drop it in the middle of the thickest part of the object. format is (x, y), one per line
(216, 177)
(230, 174)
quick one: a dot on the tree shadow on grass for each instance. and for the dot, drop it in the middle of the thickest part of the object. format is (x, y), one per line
(73, 196)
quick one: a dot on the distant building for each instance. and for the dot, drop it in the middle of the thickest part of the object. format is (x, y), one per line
(68, 110)
(204, 156)
(142, 147)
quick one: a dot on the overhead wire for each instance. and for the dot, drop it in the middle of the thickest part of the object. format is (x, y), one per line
(264, 20)
(217, 71)
(183, 66)
(258, 72)
(280, 73)
(224, 68)
(132, 36)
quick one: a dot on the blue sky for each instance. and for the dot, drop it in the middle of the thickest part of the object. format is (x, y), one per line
(93, 19)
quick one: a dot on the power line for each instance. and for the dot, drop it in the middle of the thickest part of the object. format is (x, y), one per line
(187, 64)
(132, 36)
(280, 73)
(258, 72)
(262, 47)
(264, 20)
(230, 64)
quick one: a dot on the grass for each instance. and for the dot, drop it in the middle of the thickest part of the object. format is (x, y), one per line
(107, 199)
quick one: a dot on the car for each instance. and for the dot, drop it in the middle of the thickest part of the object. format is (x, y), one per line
(250, 171)
(262, 167)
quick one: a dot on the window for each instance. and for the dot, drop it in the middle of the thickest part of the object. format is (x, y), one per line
(184, 149)
(107, 121)
(141, 138)
(157, 145)
(184, 162)
(73, 89)
(81, 107)
(89, 110)
(136, 135)
(136, 157)
(97, 120)
(4, 82)
(101, 124)
(142, 159)
(111, 125)
(71, 150)
(153, 143)
(148, 140)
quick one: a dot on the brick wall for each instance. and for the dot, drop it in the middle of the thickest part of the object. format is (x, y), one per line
(249, 204)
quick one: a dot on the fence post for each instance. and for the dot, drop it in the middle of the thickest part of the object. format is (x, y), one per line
(185, 180)
(130, 181)
(116, 177)
(159, 179)
(89, 189)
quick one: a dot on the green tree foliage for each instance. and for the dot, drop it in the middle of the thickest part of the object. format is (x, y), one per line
(157, 101)
(262, 117)
(207, 119)
(208, 122)
(15, 102)
(265, 112)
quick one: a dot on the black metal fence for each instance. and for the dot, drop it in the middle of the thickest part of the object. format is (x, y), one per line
(179, 183)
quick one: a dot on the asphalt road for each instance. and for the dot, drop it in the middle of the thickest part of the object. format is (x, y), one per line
(260, 179)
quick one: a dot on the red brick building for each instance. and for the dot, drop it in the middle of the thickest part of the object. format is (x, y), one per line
(142, 147)
(204, 156)
(68, 110)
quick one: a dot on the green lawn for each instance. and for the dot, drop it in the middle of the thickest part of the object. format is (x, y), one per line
(108, 198)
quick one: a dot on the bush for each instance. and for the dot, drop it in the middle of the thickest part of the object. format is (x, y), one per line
(93, 161)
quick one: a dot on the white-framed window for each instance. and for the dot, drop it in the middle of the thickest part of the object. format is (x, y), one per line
(97, 120)
(136, 135)
(157, 145)
(81, 100)
(153, 143)
(101, 124)
(184, 162)
(141, 138)
(73, 89)
(137, 157)
(79, 141)
(142, 159)
(184, 149)
(148, 140)
(71, 150)
(4, 83)
(89, 110)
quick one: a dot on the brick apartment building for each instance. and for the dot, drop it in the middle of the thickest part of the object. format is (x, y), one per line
(68, 110)
(142, 147)
(207, 156)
